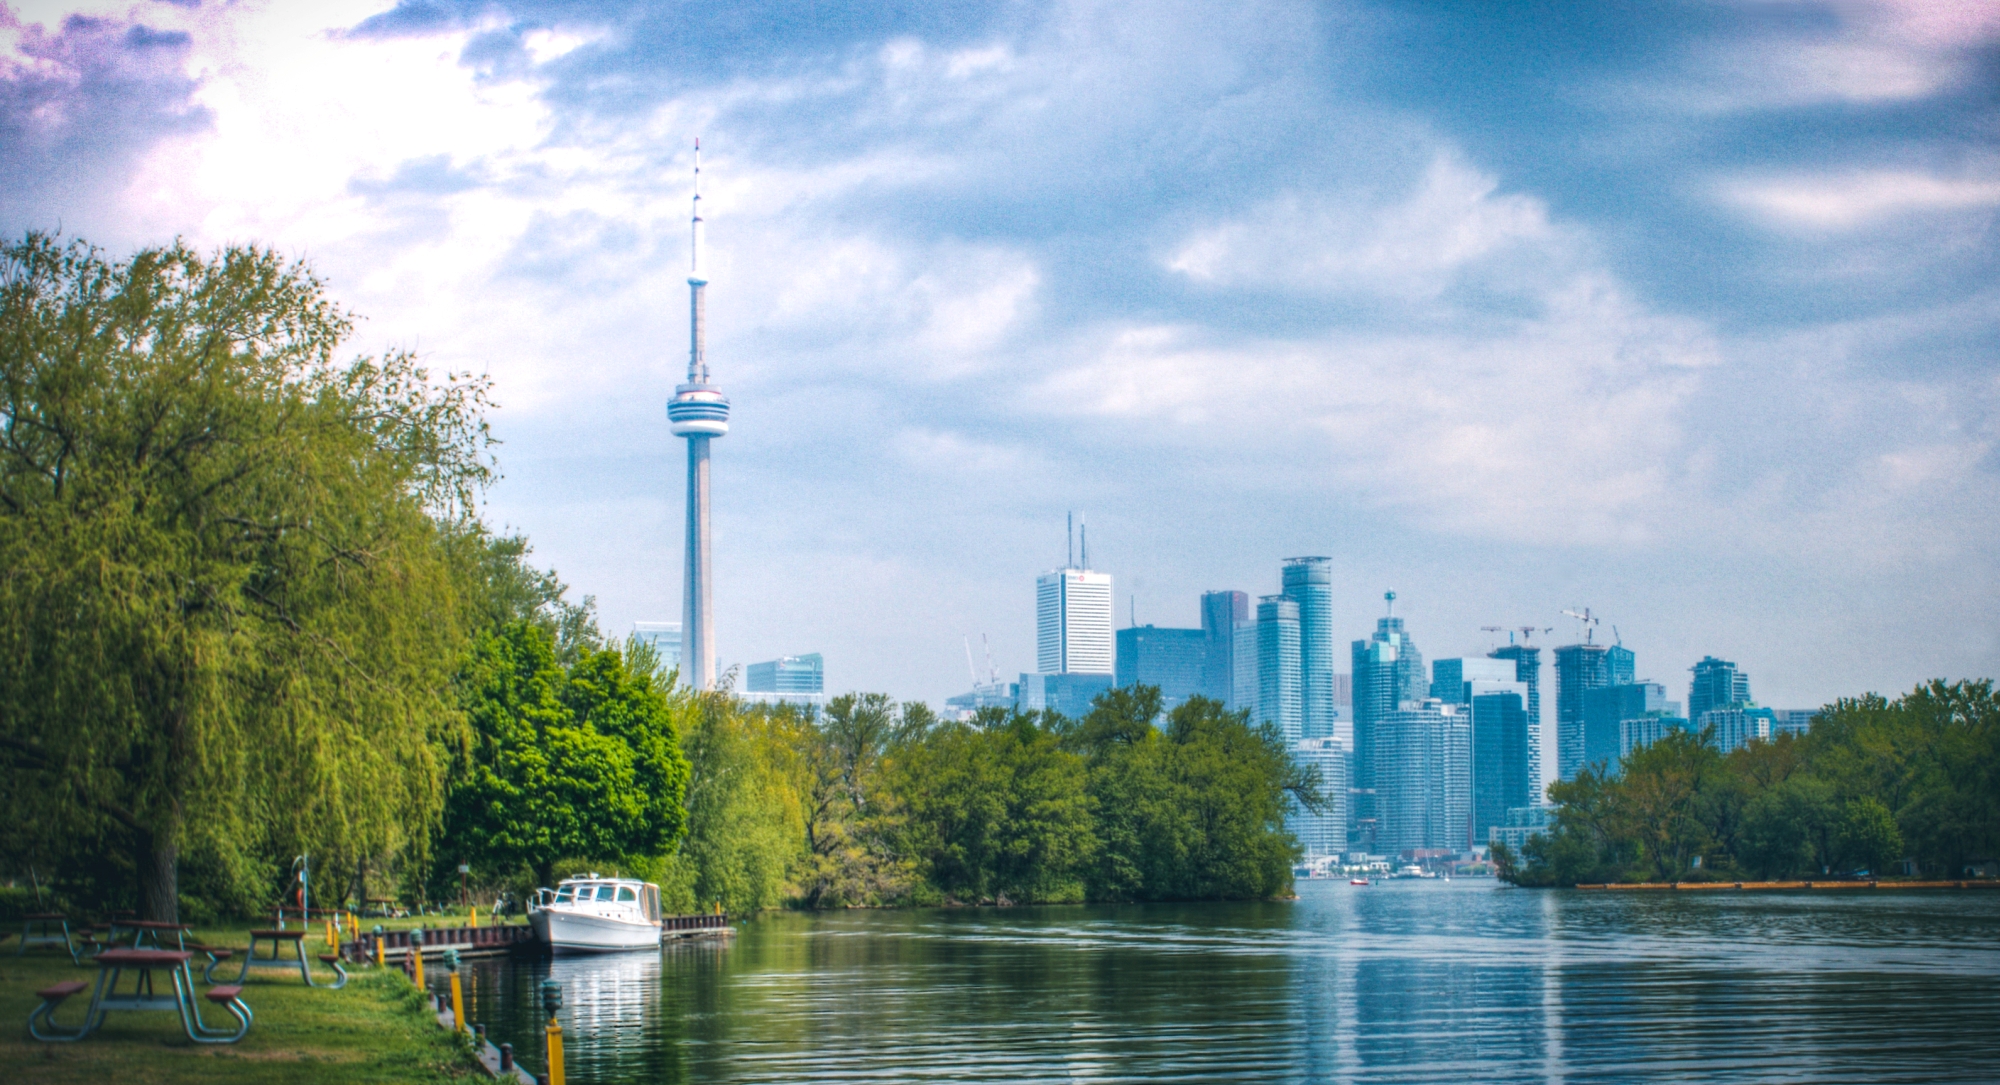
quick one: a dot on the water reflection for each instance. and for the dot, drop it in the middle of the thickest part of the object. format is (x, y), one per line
(1398, 982)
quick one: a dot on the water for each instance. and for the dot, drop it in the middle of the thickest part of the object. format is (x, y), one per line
(1404, 981)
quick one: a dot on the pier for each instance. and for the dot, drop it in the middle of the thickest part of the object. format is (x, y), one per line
(498, 941)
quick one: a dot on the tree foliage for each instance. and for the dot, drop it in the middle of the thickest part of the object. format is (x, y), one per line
(234, 596)
(1872, 783)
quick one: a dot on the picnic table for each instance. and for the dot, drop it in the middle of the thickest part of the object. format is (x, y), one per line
(145, 929)
(277, 959)
(144, 996)
(46, 929)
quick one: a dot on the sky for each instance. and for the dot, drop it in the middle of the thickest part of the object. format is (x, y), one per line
(1686, 313)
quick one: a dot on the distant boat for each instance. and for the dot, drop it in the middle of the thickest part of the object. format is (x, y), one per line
(1357, 881)
(590, 914)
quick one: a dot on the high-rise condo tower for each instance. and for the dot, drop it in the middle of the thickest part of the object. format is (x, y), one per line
(699, 413)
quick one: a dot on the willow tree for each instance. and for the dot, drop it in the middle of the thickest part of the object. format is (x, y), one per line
(234, 597)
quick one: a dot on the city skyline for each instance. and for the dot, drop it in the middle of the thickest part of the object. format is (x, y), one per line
(1701, 342)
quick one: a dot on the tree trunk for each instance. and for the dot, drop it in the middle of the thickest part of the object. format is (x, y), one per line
(159, 885)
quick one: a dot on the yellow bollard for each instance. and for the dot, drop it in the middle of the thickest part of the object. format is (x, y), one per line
(551, 1002)
(381, 961)
(474, 916)
(331, 942)
(457, 992)
(417, 961)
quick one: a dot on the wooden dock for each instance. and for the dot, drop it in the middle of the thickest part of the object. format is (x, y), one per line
(1688, 887)
(511, 938)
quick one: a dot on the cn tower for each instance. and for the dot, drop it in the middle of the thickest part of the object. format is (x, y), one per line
(699, 413)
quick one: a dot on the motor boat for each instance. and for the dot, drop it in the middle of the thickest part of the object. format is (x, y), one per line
(588, 913)
(1357, 881)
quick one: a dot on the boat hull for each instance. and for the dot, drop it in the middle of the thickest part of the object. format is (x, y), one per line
(574, 932)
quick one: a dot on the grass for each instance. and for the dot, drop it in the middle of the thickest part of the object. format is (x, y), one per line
(376, 1029)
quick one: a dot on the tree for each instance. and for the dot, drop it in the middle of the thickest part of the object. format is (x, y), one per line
(582, 765)
(233, 599)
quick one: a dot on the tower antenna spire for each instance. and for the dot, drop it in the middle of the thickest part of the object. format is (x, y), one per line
(699, 413)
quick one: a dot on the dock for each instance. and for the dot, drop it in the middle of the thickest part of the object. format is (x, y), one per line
(499, 941)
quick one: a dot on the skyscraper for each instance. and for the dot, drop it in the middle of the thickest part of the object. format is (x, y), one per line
(1324, 833)
(1309, 583)
(1278, 699)
(1579, 667)
(699, 413)
(1449, 677)
(1221, 611)
(1717, 684)
(1172, 659)
(1423, 778)
(1243, 652)
(804, 674)
(663, 637)
(1528, 669)
(1606, 708)
(1073, 622)
(1500, 776)
(1388, 671)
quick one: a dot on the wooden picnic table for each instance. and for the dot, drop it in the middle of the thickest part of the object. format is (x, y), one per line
(277, 958)
(144, 996)
(142, 929)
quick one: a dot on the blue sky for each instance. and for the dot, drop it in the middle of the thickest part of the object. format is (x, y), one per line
(1685, 312)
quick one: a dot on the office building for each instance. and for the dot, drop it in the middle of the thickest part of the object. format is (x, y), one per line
(1522, 823)
(1221, 613)
(1278, 691)
(1423, 778)
(1795, 721)
(1737, 725)
(1527, 662)
(965, 706)
(1605, 708)
(1579, 667)
(1073, 623)
(1324, 833)
(1243, 660)
(1449, 677)
(1388, 670)
(787, 674)
(1717, 684)
(1638, 733)
(1172, 659)
(1618, 666)
(1308, 582)
(1501, 778)
(664, 638)
(1067, 694)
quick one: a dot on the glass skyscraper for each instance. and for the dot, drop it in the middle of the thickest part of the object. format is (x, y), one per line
(1579, 667)
(1423, 778)
(1717, 684)
(1073, 622)
(1309, 583)
(1221, 613)
(1278, 698)
(1528, 669)
(1324, 833)
(1388, 671)
(1606, 708)
(1172, 659)
(1500, 777)
(787, 674)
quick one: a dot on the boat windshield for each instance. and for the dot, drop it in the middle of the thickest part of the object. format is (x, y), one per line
(564, 894)
(606, 892)
(625, 892)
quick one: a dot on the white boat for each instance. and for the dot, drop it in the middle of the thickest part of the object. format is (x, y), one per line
(591, 914)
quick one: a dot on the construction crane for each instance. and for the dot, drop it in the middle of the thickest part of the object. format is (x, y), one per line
(991, 670)
(1587, 620)
(968, 660)
(1529, 631)
(1526, 631)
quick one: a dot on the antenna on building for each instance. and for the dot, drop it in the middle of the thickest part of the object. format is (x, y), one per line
(1390, 597)
(1132, 615)
(1069, 554)
(1083, 529)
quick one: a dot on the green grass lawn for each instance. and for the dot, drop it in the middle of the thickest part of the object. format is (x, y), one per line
(378, 1028)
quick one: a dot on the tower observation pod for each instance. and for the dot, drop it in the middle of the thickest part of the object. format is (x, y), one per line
(699, 413)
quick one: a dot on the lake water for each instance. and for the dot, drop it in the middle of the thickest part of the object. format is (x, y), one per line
(1413, 981)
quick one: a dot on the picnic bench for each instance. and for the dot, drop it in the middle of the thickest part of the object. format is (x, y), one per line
(145, 996)
(277, 959)
(144, 930)
(46, 929)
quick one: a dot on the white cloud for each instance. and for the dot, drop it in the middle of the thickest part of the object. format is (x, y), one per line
(1334, 243)
(1849, 200)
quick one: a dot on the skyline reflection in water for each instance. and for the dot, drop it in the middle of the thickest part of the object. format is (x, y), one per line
(1405, 981)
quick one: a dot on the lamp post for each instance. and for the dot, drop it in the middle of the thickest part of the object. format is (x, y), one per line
(551, 1002)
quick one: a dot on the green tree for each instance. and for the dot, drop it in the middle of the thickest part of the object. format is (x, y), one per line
(745, 830)
(581, 765)
(233, 598)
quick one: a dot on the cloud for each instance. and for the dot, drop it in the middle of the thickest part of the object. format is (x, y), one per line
(1856, 199)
